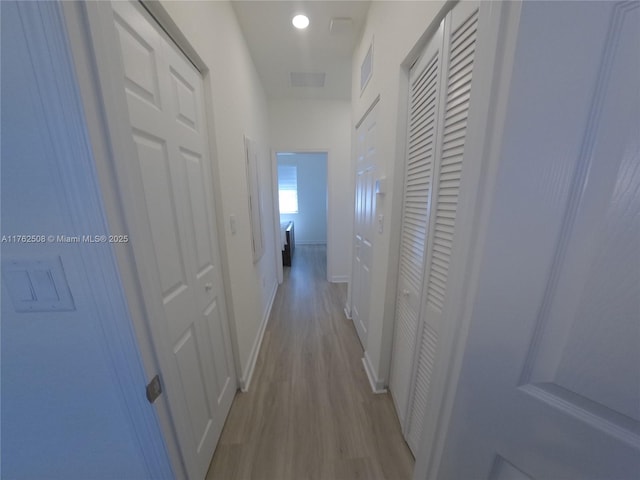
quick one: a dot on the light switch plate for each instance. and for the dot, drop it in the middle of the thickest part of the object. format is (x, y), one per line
(37, 285)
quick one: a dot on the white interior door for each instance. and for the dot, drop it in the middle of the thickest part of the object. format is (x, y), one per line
(460, 38)
(364, 228)
(171, 178)
(440, 88)
(424, 88)
(550, 380)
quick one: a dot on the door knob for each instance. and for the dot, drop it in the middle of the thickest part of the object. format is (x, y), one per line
(405, 292)
(208, 286)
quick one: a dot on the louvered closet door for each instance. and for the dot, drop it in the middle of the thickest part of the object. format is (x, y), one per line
(459, 51)
(424, 83)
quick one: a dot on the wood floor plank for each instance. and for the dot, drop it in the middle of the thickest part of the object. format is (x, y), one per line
(310, 413)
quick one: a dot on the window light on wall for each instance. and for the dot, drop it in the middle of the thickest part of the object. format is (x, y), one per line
(288, 188)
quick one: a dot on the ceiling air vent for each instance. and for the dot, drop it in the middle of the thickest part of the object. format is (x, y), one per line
(306, 79)
(341, 25)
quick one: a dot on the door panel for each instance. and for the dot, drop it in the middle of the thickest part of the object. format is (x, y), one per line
(220, 351)
(550, 385)
(154, 166)
(165, 102)
(193, 382)
(195, 179)
(139, 63)
(424, 86)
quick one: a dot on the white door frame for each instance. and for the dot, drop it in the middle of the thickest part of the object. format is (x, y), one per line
(276, 205)
(103, 109)
(497, 33)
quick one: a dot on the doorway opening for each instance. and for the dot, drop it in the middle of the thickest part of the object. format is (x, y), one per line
(302, 201)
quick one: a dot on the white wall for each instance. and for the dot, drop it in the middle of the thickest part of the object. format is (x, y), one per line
(239, 108)
(311, 220)
(395, 28)
(322, 125)
(63, 408)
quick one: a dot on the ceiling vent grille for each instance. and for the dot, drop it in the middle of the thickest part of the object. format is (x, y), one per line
(307, 79)
(341, 25)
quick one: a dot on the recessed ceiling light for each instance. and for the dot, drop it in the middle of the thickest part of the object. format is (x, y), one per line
(300, 21)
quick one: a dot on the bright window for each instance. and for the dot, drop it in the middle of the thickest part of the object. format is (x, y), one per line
(288, 188)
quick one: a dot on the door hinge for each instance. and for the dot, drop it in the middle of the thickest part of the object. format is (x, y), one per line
(154, 389)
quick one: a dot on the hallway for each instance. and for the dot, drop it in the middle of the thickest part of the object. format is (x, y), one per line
(310, 412)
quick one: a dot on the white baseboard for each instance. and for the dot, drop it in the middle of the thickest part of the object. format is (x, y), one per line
(339, 279)
(377, 386)
(245, 381)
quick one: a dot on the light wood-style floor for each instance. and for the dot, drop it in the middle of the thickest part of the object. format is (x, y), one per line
(310, 412)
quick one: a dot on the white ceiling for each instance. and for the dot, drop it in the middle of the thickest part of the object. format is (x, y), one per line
(278, 48)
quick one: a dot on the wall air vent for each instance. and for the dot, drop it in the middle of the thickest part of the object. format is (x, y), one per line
(307, 79)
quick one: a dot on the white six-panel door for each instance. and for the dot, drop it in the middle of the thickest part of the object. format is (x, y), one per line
(364, 222)
(166, 112)
(550, 381)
